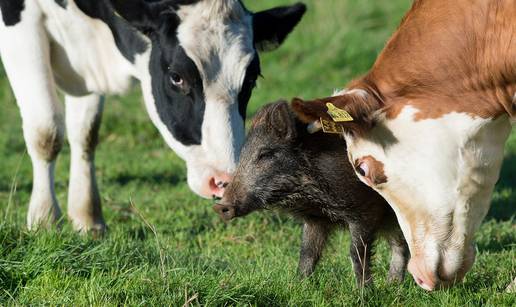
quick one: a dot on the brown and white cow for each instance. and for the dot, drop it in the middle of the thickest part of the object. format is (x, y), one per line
(430, 122)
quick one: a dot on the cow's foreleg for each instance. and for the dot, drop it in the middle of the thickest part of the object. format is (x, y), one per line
(83, 117)
(25, 53)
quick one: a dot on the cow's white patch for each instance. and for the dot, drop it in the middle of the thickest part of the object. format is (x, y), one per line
(218, 37)
(441, 174)
(84, 56)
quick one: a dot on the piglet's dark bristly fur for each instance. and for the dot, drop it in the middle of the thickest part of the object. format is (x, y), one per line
(284, 167)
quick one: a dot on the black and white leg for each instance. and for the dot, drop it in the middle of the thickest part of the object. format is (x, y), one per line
(27, 63)
(83, 118)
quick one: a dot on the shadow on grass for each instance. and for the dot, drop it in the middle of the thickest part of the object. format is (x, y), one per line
(162, 178)
(503, 208)
(6, 186)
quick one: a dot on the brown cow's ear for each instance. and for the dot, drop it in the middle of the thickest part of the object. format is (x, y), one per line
(309, 111)
(356, 108)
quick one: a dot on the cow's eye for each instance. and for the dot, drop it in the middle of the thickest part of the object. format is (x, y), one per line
(176, 79)
(363, 169)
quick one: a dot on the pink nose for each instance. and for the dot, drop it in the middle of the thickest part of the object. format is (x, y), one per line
(424, 278)
(218, 184)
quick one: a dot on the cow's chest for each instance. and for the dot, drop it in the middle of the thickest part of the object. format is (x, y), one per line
(84, 56)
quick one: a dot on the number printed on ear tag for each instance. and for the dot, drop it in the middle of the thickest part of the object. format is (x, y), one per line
(338, 115)
(330, 127)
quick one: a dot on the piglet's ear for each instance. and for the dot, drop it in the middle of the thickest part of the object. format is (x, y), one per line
(271, 27)
(141, 14)
(278, 119)
(283, 121)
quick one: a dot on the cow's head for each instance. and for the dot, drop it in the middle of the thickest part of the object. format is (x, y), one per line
(203, 67)
(437, 173)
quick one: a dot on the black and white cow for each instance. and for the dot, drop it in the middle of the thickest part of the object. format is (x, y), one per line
(197, 62)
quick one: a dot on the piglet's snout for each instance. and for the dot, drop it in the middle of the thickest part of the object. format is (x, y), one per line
(225, 212)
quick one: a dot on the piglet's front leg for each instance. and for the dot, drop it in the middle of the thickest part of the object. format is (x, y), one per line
(315, 234)
(399, 257)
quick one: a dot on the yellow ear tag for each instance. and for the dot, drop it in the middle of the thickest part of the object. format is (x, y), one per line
(338, 115)
(330, 127)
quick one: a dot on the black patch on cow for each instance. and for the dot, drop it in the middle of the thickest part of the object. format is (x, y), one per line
(147, 16)
(182, 111)
(62, 3)
(11, 11)
(127, 39)
(251, 74)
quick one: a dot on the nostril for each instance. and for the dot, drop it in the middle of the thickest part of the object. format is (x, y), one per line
(213, 184)
(419, 281)
(225, 210)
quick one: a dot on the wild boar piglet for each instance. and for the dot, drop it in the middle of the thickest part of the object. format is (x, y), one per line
(282, 166)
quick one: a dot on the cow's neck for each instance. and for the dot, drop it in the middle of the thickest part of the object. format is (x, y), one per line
(127, 39)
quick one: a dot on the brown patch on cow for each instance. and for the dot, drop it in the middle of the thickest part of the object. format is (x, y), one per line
(376, 169)
(446, 56)
(451, 56)
(49, 143)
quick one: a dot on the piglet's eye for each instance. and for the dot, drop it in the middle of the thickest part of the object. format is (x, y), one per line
(363, 169)
(266, 154)
(176, 79)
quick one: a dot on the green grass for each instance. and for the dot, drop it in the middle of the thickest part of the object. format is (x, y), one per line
(194, 257)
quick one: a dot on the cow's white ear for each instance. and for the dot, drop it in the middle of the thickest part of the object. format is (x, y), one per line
(272, 26)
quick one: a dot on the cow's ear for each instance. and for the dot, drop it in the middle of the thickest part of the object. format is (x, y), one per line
(272, 26)
(141, 14)
(310, 111)
(353, 111)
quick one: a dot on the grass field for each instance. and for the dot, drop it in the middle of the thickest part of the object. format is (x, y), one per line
(165, 246)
